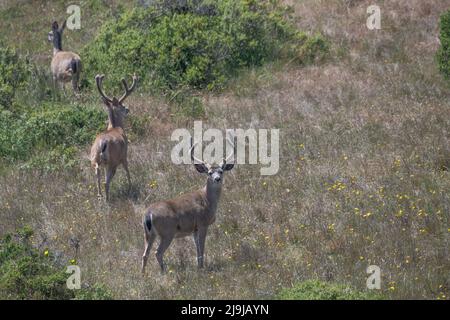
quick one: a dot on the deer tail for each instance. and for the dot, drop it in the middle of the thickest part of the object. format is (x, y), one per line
(74, 66)
(148, 223)
(103, 147)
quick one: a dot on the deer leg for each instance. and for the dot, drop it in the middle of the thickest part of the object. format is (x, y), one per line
(63, 85)
(200, 238)
(55, 83)
(197, 246)
(149, 239)
(163, 245)
(125, 166)
(97, 173)
(75, 82)
(109, 175)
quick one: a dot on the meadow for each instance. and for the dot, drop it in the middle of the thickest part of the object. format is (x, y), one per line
(364, 158)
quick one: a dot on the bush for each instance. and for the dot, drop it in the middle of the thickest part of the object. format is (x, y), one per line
(196, 44)
(26, 273)
(443, 54)
(318, 290)
(52, 127)
(14, 74)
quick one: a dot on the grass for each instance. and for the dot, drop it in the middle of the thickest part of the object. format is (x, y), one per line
(317, 290)
(363, 179)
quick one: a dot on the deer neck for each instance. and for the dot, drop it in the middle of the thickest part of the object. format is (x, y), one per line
(57, 44)
(113, 120)
(212, 191)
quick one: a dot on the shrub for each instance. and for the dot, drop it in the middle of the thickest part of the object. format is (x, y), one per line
(318, 290)
(196, 44)
(443, 54)
(27, 273)
(51, 127)
(14, 74)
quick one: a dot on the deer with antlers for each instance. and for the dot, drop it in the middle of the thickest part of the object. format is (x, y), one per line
(188, 214)
(110, 147)
(66, 65)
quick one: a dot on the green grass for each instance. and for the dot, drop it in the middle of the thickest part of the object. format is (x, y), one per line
(364, 174)
(319, 290)
(30, 273)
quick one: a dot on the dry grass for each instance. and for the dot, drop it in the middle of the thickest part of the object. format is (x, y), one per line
(363, 179)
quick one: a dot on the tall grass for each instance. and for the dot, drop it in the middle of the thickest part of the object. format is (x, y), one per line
(363, 180)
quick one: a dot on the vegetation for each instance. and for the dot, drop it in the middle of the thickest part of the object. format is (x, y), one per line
(197, 44)
(364, 151)
(47, 128)
(319, 290)
(444, 51)
(29, 273)
(14, 74)
(40, 127)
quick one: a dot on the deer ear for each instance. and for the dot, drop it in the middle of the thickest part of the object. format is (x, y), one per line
(200, 167)
(228, 167)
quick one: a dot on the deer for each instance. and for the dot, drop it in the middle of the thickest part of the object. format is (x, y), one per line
(111, 146)
(187, 215)
(66, 65)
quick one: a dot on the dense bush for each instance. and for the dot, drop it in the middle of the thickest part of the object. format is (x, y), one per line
(27, 273)
(51, 127)
(14, 74)
(196, 44)
(318, 290)
(444, 50)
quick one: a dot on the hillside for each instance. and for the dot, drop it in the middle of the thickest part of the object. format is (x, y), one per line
(364, 157)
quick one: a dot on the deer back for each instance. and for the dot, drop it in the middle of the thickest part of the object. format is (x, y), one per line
(110, 148)
(63, 64)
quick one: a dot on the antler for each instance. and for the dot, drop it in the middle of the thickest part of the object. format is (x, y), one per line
(63, 26)
(193, 158)
(231, 155)
(98, 80)
(128, 91)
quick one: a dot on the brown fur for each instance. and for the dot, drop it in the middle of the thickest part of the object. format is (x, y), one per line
(188, 214)
(110, 148)
(65, 66)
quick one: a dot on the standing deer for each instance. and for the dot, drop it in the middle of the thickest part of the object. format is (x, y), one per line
(110, 147)
(188, 214)
(66, 65)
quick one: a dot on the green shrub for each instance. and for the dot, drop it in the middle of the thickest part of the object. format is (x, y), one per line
(196, 44)
(14, 75)
(51, 127)
(443, 54)
(27, 273)
(318, 290)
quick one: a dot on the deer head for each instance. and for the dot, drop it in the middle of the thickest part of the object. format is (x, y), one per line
(214, 172)
(117, 111)
(55, 35)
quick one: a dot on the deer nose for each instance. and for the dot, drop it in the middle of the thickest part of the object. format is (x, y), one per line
(217, 179)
